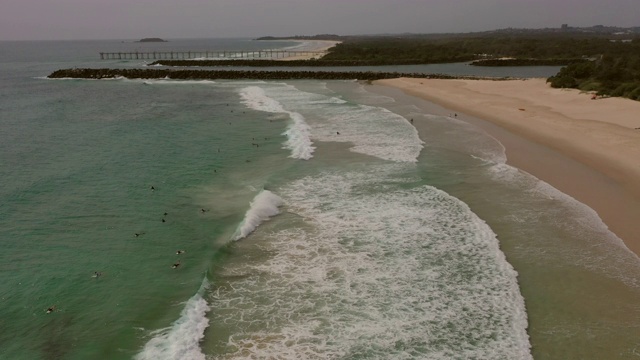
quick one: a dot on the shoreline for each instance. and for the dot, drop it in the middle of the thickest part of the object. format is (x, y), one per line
(588, 149)
(314, 46)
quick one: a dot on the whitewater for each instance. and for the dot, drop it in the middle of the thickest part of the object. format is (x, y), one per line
(310, 220)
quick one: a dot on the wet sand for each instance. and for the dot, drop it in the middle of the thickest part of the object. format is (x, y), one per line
(588, 149)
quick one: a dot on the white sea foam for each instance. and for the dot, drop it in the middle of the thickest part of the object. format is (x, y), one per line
(377, 270)
(181, 340)
(572, 215)
(373, 131)
(84, 79)
(298, 133)
(265, 205)
(174, 82)
(369, 98)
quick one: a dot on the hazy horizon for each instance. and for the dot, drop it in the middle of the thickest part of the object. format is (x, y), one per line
(120, 19)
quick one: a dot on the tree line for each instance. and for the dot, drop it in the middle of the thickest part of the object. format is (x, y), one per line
(593, 63)
(608, 67)
(608, 75)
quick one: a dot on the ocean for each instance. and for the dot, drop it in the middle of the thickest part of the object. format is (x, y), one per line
(161, 219)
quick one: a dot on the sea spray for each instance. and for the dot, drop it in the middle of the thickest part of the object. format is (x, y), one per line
(181, 339)
(263, 206)
(298, 133)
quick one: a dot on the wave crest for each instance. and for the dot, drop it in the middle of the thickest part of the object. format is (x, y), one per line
(181, 340)
(265, 205)
(298, 133)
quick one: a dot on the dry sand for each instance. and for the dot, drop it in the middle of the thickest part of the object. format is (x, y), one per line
(312, 46)
(600, 135)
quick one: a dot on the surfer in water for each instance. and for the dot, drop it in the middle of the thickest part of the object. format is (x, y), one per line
(175, 266)
(51, 309)
(97, 274)
(179, 252)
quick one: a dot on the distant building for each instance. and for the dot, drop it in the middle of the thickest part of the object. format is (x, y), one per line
(564, 27)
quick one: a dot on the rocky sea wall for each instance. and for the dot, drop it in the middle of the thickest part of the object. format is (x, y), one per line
(241, 74)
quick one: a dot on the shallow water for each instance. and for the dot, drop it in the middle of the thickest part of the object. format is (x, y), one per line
(315, 223)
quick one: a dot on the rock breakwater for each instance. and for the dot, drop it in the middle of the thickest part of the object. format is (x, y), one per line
(239, 74)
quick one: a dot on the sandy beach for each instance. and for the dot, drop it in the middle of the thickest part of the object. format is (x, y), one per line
(313, 46)
(588, 149)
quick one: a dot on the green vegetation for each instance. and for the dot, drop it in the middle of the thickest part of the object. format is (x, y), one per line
(433, 50)
(605, 62)
(616, 73)
(611, 68)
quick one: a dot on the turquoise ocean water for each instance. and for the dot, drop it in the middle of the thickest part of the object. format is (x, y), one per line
(313, 221)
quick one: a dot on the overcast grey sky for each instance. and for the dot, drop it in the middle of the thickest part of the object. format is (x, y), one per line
(171, 19)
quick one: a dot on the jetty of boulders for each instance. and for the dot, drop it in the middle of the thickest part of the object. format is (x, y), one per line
(239, 74)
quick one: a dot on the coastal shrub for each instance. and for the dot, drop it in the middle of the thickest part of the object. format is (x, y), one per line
(610, 74)
(589, 85)
(625, 89)
(563, 81)
(635, 93)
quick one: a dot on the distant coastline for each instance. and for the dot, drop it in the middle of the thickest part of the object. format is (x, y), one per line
(152, 40)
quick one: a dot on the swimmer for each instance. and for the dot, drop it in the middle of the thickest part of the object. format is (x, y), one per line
(163, 220)
(97, 274)
(51, 309)
(152, 188)
(175, 266)
(179, 252)
(338, 132)
(203, 210)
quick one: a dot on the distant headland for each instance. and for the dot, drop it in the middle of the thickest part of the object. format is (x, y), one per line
(152, 40)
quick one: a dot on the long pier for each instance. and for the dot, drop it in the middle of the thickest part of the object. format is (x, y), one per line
(217, 54)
